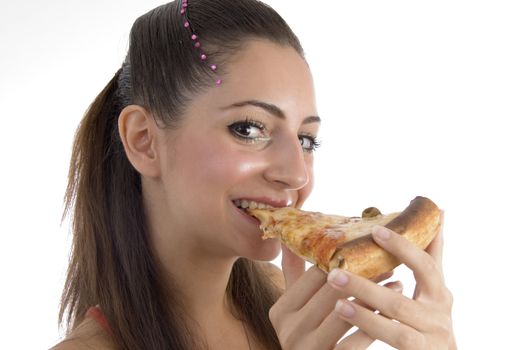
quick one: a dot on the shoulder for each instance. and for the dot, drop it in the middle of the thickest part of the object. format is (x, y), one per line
(87, 336)
(72, 344)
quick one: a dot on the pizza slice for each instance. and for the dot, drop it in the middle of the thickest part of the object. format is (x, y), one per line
(330, 241)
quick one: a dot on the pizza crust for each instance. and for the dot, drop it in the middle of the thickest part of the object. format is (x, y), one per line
(419, 223)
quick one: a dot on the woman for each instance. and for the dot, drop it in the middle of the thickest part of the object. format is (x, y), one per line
(214, 110)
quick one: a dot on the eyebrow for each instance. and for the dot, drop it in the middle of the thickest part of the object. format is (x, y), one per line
(272, 109)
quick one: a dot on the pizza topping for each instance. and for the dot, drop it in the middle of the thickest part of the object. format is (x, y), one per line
(335, 232)
(371, 212)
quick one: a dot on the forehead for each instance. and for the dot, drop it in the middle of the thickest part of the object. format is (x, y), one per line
(268, 72)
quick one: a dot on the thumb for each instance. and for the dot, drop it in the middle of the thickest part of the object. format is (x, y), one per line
(293, 266)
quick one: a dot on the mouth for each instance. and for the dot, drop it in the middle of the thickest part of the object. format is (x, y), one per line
(242, 207)
(245, 204)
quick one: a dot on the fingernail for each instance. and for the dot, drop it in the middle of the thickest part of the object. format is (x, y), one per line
(398, 287)
(338, 277)
(344, 309)
(381, 232)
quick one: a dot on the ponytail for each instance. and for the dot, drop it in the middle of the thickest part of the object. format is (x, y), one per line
(111, 263)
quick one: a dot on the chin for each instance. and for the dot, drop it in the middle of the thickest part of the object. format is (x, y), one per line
(267, 251)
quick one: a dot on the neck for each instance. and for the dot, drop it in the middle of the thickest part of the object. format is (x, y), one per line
(202, 284)
(198, 278)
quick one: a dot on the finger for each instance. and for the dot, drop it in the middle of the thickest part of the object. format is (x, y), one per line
(385, 300)
(322, 303)
(376, 326)
(356, 341)
(292, 265)
(334, 327)
(382, 277)
(396, 286)
(425, 268)
(302, 290)
(436, 246)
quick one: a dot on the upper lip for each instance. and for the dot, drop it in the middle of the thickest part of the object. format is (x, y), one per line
(274, 202)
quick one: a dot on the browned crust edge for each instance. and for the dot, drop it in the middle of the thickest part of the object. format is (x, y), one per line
(419, 223)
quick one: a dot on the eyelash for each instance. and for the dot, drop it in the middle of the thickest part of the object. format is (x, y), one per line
(314, 142)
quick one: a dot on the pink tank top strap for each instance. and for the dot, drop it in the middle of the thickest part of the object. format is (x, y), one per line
(96, 314)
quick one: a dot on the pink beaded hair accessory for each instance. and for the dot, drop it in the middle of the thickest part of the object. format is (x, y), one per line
(197, 45)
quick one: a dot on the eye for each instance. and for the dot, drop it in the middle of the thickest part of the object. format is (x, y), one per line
(309, 143)
(248, 130)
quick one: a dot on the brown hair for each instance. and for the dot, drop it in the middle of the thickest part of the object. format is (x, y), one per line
(112, 264)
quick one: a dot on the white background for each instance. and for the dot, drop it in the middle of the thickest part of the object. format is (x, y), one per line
(417, 98)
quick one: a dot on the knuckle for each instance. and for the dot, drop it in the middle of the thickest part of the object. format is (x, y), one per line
(286, 343)
(398, 308)
(410, 340)
(351, 346)
(275, 314)
(444, 329)
(444, 298)
(346, 346)
(285, 327)
(448, 298)
(289, 340)
(318, 341)
(439, 325)
(429, 266)
(443, 326)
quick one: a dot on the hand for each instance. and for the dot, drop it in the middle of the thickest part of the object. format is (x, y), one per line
(304, 316)
(423, 322)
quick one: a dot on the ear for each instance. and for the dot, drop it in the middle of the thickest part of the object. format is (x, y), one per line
(138, 132)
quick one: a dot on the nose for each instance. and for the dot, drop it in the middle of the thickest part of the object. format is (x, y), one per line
(287, 165)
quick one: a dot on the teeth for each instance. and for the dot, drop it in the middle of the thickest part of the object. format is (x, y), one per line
(244, 204)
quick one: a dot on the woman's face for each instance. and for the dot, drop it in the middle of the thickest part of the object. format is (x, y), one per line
(248, 141)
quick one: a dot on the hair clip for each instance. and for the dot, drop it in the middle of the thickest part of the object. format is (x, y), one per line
(186, 23)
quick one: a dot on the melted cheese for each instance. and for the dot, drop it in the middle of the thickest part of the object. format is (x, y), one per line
(311, 235)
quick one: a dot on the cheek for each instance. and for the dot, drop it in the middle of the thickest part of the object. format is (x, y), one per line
(218, 167)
